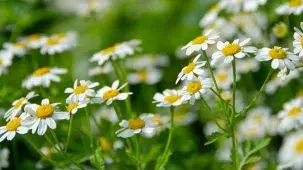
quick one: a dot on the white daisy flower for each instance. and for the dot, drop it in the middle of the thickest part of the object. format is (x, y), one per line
(210, 127)
(247, 65)
(6, 60)
(292, 115)
(43, 77)
(280, 30)
(141, 125)
(236, 6)
(280, 57)
(169, 98)
(82, 91)
(248, 130)
(227, 51)
(160, 122)
(194, 89)
(17, 106)
(43, 116)
(149, 76)
(100, 70)
(291, 7)
(211, 15)
(298, 42)
(201, 42)
(147, 61)
(106, 113)
(192, 69)
(35, 41)
(224, 77)
(259, 115)
(18, 48)
(291, 153)
(119, 50)
(58, 43)
(73, 104)
(184, 117)
(109, 94)
(15, 125)
(4, 158)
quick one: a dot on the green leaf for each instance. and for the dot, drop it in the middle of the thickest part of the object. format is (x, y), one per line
(253, 159)
(98, 160)
(213, 138)
(162, 160)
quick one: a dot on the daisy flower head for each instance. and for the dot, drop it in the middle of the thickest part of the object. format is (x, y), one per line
(280, 57)
(298, 42)
(194, 89)
(6, 60)
(4, 155)
(106, 113)
(83, 90)
(17, 106)
(280, 30)
(291, 7)
(73, 104)
(192, 69)
(141, 125)
(259, 115)
(211, 15)
(110, 94)
(35, 41)
(58, 43)
(18, 48)
(249, 130)
(227, 51)
(101, 70)
(292, 115)
(43, 77)
(169, 98)
(247, 65)
(224, 77)
(158, 122)
(14, 126)
(201, 42)
(147, 76)
(291, 152)
(43, 116)
(119, 50)
(147, 61)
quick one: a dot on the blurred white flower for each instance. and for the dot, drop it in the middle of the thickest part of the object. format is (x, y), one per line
(4, 158)
(99, 70)
(211, 15)
(18, 48)
(106, 113)
(298, 42)
(6, 60)
(147, 61)
(236, 6)
(225, 28)
(35, 41)
(291, 7)
(247, 65)
(277, 82)
(149, 76)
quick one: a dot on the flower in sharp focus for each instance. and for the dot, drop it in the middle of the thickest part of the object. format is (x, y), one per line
(58, 43)
(291, 7)
(169, 98)
(18, 48)
(81, 91)
(43, 116)
(298, 42)
(6, 60)
(280, 57)
(14, 126)
(17, 106)
(149, 76)
(201, 42)
(73, 104)
(291, 152)
(227, 51)
(4, 155)
(43, 77)
(194, 89)
(141, 125)
(116, 51)
(192, 69)
(292, 115)
(109, 94)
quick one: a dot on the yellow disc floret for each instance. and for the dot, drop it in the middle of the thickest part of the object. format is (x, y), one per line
(80, 89)
(294, 3)
(19, 102)
(13, 124)
(41, 71)
(45, 110)
(277, 53)
(172, 98)
(189, 68)
(294, 112)
(199, 40)
(72, 106)
(231, 49)
(299, 146)
(105, 145)
(136, 124)
(110, 94)
(193, 87)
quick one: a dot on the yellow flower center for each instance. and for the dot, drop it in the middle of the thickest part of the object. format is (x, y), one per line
(172, 98)
(53, 41)
(13, 124)
(105, 145)
(299, 146)
(1, 61)
(231, 49)
(294, 112)
(72, 106)
(109, 50)
(252, 132)
(20, 44)
(257, 117)
(221, 77)
(280, 30)
(34, 37)
(189, 68)
(193, 87)
(142, 75)
(61, 35)
(157, 119)
(199, 40)
(136, 124)
(45, 110)
(80, 89)
(294, 3)
(41, 71)
(19, 102)
(277, 53)
(110, 94)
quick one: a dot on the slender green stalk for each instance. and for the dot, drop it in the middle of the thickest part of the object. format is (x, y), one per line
(51, 142)
(69, 132)
(116, 108)
(259, 92)
(89, 129)
(170, 130)
(139, 167)
(211, 73)
(235, 155)
(56, 139)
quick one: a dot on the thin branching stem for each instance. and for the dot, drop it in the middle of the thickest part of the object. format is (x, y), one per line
(69, 132)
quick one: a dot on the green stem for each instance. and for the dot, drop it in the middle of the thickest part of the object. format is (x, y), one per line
(138, 153)
(235, 154)
(259, 92)
(89, 129)
(51, 142)
(69, 132)
(56, 139)
(170, 130)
